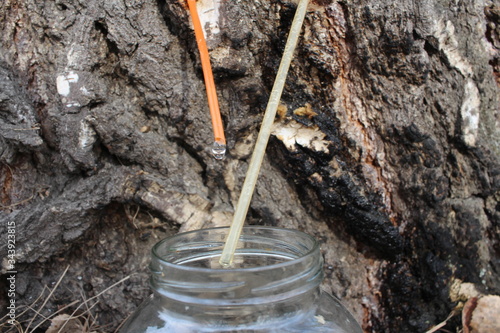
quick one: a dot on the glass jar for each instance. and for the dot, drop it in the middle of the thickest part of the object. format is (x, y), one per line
(272, 286)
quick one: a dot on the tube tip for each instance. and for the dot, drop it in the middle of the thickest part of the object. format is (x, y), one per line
(218, 150)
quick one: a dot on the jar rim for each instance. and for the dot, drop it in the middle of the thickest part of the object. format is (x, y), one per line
(310, 251)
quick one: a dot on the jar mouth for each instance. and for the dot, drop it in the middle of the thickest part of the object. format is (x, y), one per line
(271, 266)
(198, 251)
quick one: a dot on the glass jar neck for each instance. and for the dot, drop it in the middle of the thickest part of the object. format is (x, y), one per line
(275, 276)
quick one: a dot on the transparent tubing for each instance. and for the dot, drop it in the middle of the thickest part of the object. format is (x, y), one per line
(273, 286)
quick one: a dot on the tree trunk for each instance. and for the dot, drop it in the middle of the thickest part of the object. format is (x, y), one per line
(388, 151)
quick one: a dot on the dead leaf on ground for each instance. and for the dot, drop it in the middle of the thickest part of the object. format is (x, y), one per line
(482, 315)
(71, 324)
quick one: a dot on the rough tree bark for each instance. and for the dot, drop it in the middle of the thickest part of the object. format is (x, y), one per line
(386, 149)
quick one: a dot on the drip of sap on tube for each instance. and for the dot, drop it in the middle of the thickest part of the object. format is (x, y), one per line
(218, 150)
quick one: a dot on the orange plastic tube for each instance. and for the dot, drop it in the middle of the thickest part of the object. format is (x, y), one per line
(213, 102)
